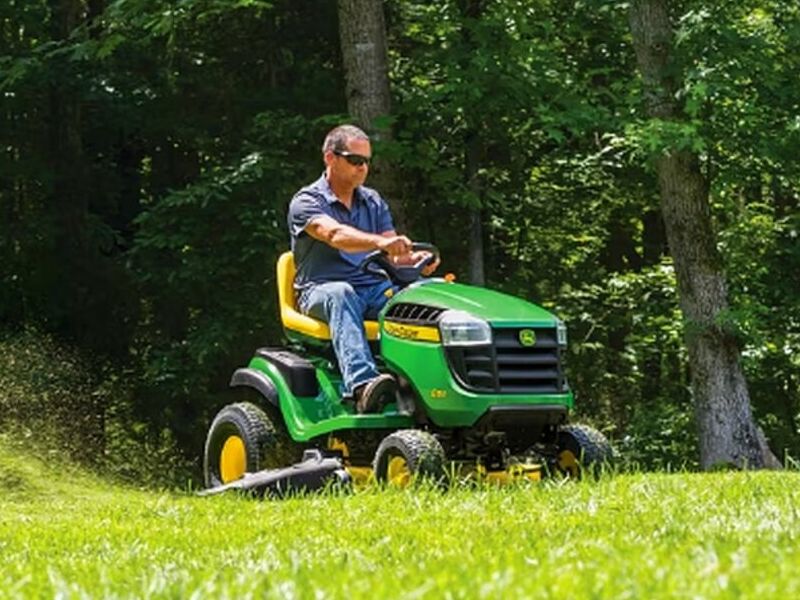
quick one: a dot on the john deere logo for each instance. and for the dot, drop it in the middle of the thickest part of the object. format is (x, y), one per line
(527, 337)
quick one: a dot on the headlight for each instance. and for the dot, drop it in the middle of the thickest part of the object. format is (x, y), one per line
(561, 333)
(462, 329)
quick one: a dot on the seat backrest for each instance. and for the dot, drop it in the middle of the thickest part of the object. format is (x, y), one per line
(286, 273)
(292, 319)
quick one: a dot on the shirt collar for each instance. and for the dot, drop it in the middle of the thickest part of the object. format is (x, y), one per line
(327, 192)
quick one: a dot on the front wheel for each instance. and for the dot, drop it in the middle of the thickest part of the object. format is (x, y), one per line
(582, 450)
(407, 456)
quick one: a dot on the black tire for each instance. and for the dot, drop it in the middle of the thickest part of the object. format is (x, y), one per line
(244, 439)
(581, 451)
(408, 456)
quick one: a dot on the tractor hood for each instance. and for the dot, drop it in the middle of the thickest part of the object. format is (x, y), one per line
(492, 306)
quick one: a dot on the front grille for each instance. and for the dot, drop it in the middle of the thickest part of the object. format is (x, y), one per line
(508, 367)
(413, 314)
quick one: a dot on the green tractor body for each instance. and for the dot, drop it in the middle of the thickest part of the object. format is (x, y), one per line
(481, 383)
(457, 384)
(454, 385)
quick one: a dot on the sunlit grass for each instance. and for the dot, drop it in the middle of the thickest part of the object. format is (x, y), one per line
(627, 536)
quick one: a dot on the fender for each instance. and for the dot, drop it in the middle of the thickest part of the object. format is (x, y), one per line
(257, 380)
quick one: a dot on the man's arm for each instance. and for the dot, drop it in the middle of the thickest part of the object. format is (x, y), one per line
(347, 238)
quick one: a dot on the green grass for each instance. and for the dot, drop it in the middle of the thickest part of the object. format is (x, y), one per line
(67, 534)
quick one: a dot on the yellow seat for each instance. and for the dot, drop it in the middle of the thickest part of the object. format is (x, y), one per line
(295, 321)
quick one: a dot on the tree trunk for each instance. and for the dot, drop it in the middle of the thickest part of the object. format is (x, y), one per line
(475, 254)
(362, 33)
(654, 242)
(473, 153)
(95, 9)
(66, 147)
(728, 433)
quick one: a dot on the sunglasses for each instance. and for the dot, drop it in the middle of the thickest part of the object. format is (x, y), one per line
(354, 159)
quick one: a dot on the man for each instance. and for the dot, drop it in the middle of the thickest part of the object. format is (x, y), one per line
(334, 223)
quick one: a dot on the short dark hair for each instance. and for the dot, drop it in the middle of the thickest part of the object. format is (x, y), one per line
(338, 138)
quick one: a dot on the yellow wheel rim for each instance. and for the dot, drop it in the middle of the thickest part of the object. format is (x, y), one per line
(397, 472)
(568, 463)
(232, 459)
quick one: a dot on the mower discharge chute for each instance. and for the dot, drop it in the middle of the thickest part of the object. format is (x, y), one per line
(482, 393)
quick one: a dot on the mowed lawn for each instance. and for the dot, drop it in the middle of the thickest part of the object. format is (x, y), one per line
(68, 535)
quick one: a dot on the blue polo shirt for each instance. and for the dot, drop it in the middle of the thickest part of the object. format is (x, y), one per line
(316, 261)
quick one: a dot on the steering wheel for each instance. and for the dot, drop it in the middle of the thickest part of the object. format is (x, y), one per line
(378, 261)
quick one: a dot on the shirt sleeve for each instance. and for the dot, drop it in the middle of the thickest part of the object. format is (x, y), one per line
(384, 220)
(303, 209)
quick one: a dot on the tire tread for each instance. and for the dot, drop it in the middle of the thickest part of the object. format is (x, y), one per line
(594, 450)
(423, 452)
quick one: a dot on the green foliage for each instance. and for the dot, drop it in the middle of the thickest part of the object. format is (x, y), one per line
(493, 83)
(230, 225)
(190, 147)
(657, 136)
(627, 365)
(149, 152)
(137, 453)
(763, 261)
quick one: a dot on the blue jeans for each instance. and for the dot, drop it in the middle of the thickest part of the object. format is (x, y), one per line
(344, 307)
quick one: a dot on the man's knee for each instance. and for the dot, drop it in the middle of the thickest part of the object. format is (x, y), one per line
(338, 290)
(338, 296)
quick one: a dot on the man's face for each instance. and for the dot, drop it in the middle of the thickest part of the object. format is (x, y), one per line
(341, 163)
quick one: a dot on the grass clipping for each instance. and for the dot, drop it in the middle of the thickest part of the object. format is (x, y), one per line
(54, 406)
(48, 399)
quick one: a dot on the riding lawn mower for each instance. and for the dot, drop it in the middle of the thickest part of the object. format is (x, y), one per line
(481, 394)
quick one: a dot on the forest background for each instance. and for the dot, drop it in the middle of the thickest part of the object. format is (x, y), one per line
(148, 151)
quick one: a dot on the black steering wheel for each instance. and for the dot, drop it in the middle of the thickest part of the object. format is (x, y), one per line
(379, 262)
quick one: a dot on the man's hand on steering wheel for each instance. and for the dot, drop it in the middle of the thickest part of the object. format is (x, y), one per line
(403, 268)
(429, 269)
(412, 258)
(396, 246)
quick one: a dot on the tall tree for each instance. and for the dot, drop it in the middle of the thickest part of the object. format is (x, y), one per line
(362, 31)
(471, 11)
(728, 432)
(66, 148)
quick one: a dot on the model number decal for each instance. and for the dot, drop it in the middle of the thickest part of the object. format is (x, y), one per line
(411, 332)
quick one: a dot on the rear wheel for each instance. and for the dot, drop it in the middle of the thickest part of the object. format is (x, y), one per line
(244, 439)
(582, 450)
(407, 456)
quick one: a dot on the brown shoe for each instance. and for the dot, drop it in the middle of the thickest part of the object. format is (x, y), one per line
(373, 395)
